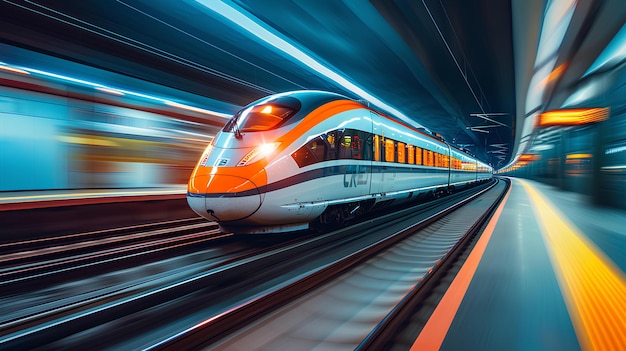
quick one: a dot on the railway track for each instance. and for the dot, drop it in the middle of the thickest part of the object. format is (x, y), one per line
(371, 287)
(222, 291)
(49, 260)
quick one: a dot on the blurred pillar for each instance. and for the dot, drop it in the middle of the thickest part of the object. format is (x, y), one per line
(597, 177)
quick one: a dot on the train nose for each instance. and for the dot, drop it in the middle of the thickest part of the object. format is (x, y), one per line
(223, 198)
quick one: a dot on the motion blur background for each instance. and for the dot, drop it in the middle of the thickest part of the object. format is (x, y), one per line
(81, 107)
(61, 132)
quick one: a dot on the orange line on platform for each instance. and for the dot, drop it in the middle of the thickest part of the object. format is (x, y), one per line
(435, 330)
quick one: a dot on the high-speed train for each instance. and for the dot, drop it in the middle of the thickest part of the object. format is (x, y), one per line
(291, 159)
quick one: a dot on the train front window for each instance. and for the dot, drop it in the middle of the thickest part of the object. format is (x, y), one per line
(263, 116)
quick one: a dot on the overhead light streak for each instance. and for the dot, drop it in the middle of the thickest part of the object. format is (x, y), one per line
(557, 17)
(475, 129)
(529, 157)
(111, 90)
(552, 76)
(572, 117)
(485, 116)
(246, 21)
(86, 26)
(12, 69)
(64, 78)
(197, 109)
(212, 45)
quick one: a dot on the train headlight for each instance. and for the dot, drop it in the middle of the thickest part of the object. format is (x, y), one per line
(258, 152)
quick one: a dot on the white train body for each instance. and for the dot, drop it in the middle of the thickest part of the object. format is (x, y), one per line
(312, 156)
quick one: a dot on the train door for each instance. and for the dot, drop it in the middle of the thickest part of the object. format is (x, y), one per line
(351, 144)
(449, 165)
(376, 169)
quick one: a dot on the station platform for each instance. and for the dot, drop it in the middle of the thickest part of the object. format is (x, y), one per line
(547, 274)
(22, 200)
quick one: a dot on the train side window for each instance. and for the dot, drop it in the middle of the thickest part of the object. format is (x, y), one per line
(312, 152)
(430, 158)
(332, 138)
(350, 145)
(418, 155)
(410, 152)
(367, 146)
(390, 152)
(401, 152)
(376, 144)
(344, 146)
(361, 145)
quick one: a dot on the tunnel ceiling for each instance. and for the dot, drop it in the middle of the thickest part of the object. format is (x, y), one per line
(438, 62)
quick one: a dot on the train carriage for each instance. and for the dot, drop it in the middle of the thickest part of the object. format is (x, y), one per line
(293, 158)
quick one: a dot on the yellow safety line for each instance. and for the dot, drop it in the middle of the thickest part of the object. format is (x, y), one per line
(594, 287)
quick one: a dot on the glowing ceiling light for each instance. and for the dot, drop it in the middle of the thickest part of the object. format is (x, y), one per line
(110, 91)
(573, 116)
(12, 69)
(66, 78)
(552, 76)
(528, 157)
(239, 17)
(196, 109)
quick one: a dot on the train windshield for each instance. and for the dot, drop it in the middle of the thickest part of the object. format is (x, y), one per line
(263, 116)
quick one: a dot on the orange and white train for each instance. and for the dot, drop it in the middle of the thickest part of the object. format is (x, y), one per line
(291, 159)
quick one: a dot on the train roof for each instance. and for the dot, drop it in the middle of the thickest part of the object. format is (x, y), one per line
(312, 99)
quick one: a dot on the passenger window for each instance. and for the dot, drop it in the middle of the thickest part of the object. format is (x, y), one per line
(418, 155)
(333, 138)
(312, 152)
(345, 146)
(376, 143)
(390, 151)
(401, 152)
(357, 140)
(430, 159)
(411, 154)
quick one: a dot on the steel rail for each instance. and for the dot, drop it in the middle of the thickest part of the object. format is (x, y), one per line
(218, 326)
